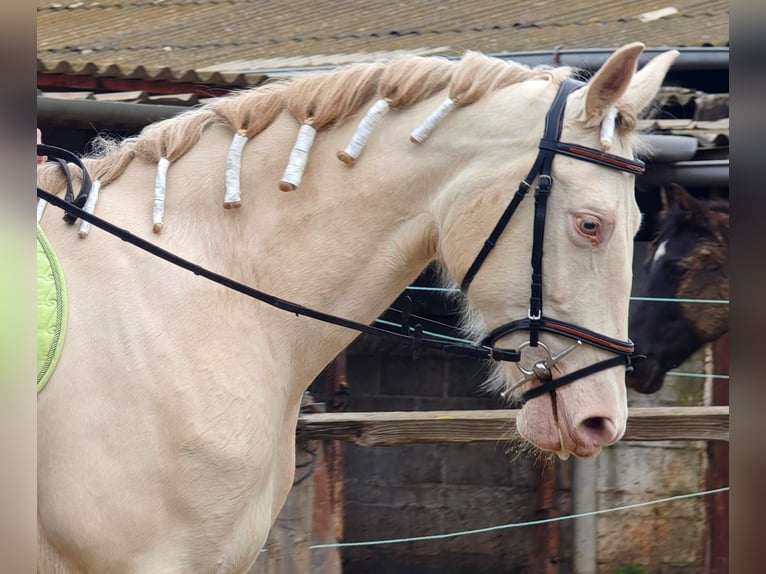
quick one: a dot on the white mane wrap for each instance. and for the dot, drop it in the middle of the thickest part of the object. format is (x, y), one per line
(296, 164)
(89, 207)
(41, 203)
(363, 131)
(159, 193)
(233, 165)
(607, 128)
(421, 134)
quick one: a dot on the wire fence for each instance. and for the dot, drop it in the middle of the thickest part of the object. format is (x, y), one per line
(621, 508)
(520, 524)
(450, 535)
(632, 298)
(438, 335)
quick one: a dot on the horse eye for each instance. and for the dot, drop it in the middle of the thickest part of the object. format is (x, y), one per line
(674, 270)
(588, 226)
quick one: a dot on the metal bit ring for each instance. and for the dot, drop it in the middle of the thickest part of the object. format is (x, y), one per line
(541, 370)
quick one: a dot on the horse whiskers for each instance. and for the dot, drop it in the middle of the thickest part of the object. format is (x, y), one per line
(519, 448)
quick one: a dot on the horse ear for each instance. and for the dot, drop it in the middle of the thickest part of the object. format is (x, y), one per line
(683, 199)
(665, 198)
(611, 81)
(693, 209)
(675, 194)
(645, 83)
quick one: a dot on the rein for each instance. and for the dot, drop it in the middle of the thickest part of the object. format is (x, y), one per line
(416, 339)
(534, 322)
(62, 156)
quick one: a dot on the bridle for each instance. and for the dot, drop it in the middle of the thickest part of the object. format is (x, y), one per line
(535, 322)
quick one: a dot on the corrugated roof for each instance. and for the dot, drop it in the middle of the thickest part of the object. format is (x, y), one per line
(228, 42)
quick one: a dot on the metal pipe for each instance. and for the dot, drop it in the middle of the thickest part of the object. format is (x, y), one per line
(694, 59)
(669, 148)
(584, 557)
(706, 173)
(690, 59)
(85, 114)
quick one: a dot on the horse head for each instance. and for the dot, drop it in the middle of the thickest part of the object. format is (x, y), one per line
(687, 260)
(585, 276)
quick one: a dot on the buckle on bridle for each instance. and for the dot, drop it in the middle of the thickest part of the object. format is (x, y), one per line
(544, 182)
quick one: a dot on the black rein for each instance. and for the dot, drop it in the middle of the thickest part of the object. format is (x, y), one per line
(416, 340)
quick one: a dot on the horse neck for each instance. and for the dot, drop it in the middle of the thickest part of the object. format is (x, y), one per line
(347, 241)
(350, 239)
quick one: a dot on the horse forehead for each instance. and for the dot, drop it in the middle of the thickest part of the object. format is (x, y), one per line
(582, 185)
(678, 244)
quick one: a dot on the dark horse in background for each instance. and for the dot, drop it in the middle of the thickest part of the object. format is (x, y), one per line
(687, 260)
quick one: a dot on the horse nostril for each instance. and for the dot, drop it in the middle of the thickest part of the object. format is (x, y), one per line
(595, 423)
(599, 431)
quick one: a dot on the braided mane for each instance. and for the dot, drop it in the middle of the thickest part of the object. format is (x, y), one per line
(320, 100)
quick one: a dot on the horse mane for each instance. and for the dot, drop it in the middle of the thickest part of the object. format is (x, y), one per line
(252, 111)
(411, 79)
(320, 100)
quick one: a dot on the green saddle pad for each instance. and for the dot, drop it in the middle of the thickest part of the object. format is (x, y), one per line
(51, 309)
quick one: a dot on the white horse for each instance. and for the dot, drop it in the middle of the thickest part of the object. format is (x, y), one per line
(166, 433)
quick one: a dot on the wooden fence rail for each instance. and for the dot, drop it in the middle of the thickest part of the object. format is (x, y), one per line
(440, 427)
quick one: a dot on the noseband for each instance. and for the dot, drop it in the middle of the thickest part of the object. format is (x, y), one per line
(550, 145)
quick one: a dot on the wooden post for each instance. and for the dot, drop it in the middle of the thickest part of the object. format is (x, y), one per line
(323, 560)
(328, 483)
(545, 558)
(717, 475)
(334, 451)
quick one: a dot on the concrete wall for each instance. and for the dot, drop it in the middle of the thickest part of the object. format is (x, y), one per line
(399, 492)
(665, 538)
(396, 492)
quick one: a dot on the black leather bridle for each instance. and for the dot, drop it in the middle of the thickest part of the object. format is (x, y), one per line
(535, 321)
(550, 145)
